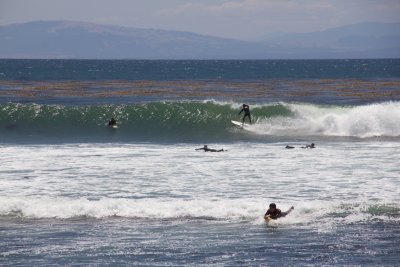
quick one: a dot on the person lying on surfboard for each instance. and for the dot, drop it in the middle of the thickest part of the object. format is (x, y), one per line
(246, 110)
(309, 146)
(273, 213)
(206, 149)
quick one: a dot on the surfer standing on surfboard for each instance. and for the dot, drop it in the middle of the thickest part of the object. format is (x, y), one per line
(246, 110)
(273, 213)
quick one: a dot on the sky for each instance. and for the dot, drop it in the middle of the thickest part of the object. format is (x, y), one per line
(239, 19)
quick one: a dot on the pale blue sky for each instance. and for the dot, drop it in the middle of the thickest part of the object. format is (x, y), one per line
(226, 18)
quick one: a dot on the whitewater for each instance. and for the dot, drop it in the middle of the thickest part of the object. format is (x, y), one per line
(228, 186)
(75, 192)
(176, 194)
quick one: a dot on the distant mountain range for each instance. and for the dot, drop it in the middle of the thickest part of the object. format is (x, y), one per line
(79, 40)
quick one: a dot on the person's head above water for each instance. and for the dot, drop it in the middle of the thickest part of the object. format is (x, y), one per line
(243, 105)
(272, 207)
(205, 146)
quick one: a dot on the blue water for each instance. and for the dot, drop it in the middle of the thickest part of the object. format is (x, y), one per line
(74, 192)
(131, 242)
(172, 70)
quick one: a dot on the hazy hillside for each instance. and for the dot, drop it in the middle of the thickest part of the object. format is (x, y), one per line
(65, 39)
(60, 39)
(369, 38)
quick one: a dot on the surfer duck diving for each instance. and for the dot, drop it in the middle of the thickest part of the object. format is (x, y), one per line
(273, 213)
(207, 149)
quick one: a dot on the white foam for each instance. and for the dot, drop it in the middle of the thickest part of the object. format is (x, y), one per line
(320, 214)
(137, 208)
(361, 121)
(175, 181)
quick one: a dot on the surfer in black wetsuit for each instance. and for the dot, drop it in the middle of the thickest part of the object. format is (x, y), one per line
(206, 149)
(274, 213)
(246, 110)
(112, 122)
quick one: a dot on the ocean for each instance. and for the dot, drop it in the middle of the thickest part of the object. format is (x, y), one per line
(74, 192)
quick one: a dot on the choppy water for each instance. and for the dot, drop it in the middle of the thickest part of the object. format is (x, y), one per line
(168, 204)
(73, 192)
(171, 70)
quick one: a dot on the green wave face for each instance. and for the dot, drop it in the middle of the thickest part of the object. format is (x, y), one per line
(161, 119)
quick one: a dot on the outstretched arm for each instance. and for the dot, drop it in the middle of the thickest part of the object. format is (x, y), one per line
(241, 111)
(287, 212)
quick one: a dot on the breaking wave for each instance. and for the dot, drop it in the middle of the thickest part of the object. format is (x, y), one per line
(189, 120)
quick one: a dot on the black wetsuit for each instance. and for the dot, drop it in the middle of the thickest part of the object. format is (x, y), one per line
(246, 110)
(275, 214)
(112, 122)
(206, 149)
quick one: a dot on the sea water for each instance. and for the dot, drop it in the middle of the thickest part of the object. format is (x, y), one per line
(74, 192)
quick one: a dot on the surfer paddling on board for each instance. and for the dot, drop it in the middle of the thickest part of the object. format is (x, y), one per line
(246, 110)
(273, 213)
(309, 146)
(112, 123)
(206, 149)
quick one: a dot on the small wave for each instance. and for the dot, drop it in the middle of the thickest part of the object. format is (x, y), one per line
(252, 210)
(133, 208)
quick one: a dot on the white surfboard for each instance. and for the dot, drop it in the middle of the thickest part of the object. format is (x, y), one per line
(240, 124)
(272, 223)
